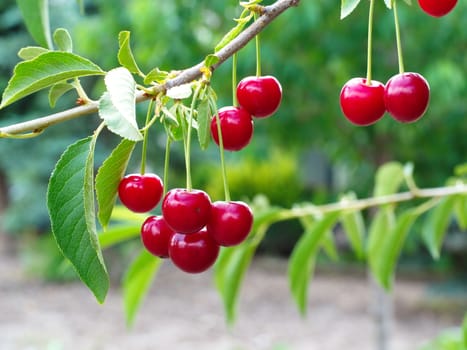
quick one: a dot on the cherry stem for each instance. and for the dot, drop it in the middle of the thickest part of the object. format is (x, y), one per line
(189, 185)
(234, 79)
(222, 156)
(398, 38)
(81, 92)
(258, 51)
(370, 42)
(145, 138)
(168, 142)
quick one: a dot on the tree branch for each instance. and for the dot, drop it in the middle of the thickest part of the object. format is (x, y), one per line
(365, 203)
(185, 76)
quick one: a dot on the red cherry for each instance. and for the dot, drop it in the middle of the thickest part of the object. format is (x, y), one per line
(362, 104)
(156, 235)
(236, 128)
(230, 222)
(140, 193)
(193, 253)
(186, 211)
(406, 96)
(261, 96)
(437, 8)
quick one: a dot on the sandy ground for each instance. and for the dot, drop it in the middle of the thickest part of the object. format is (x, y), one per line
(185, 312)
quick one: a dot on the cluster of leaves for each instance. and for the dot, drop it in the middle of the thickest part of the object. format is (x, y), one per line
(379, 243)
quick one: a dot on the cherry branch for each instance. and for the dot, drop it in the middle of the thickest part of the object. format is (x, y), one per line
(365, 203)
(268, 14)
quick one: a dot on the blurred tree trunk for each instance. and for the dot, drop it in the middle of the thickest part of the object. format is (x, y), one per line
(382, 312)
(3, 191)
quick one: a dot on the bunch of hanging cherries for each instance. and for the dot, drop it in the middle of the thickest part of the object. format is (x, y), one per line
(191, 228)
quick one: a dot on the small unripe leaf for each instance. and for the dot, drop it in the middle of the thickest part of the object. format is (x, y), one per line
(63, 40)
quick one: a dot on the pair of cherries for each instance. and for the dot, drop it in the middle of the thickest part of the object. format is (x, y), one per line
(191, 229)
(258, 97)
(405, 97)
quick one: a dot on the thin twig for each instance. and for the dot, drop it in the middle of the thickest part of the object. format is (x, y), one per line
(365, 203)
(185, 76)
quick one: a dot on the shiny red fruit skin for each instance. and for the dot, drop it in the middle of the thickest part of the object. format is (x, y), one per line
(156, 236)
(193, 253)
(186, 211)
(362, 104)
(230, 222)
(437, 8)
(140, 193)
(236, 127)
(406, 97)
(261, 96)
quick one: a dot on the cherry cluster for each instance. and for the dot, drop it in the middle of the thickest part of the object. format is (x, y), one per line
(257, 97)
(191, 229)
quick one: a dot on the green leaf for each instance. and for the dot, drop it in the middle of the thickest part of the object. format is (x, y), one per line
(204, 119)
(36, 17)
(460, 210)
(233, 262)
(117, 106)
(230, 270)
(43, 71)
(30, 52)
(389, 178)
(122, 213)
(108, 178)
(157, 75)
(118, 234)
(57, 91)
(382, 223)
(70, 201)
(116, 121)
(125, 55)
(172, 127)
(210, 60)
(436, 225)
(233, 33)
(461, 170)
(63, 40)
(354, 227)
(348, 6)
(390, 251)
(302, 260)
(329, 246)
(137, 281)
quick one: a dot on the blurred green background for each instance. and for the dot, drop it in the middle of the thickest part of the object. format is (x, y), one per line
(306, 152)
